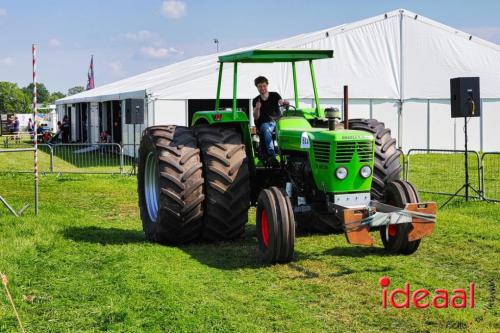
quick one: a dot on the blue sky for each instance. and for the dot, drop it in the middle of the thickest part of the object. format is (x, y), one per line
(128, 37)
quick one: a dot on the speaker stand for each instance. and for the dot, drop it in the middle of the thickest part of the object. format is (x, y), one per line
(466, 186)
(134, 162)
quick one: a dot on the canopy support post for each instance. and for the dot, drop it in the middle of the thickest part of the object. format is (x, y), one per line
(319, 114)
(295, 89)
(235, 81)
(219, 80)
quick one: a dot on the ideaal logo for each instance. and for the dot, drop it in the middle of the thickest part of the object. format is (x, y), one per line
(423, 298)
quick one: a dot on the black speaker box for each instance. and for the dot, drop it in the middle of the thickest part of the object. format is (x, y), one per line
(134, 111)
(465, 98)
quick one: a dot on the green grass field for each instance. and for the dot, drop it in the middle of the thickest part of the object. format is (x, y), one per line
(83, 265)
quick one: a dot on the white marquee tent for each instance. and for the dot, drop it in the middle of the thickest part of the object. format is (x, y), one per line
(397, 66)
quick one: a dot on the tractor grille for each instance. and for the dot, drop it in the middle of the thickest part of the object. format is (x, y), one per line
(365, 151)
(321, 151)
(345, 151)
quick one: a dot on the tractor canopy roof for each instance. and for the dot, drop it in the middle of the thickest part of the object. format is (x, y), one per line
(268, 56)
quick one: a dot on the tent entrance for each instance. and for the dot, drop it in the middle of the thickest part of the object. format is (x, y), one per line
(82, 122)
(195, 105)
(116, 125)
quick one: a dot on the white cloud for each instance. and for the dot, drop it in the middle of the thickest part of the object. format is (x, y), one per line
(3, 12)
(173, 8)
(139, 35)
(7, 61)
(54, 42)
(158, 52)
(117, 68)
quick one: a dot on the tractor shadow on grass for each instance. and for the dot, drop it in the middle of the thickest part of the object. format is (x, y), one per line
(229, 255)
(104, 236)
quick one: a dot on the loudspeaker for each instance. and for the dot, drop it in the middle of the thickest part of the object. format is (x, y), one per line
(465, 98)
(134, 111)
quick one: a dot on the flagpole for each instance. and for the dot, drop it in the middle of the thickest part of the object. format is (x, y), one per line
(35, 135)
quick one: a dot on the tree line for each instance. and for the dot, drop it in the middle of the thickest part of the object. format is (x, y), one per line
(14, 99)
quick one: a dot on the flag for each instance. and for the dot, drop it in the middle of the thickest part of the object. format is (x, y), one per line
(90, 75)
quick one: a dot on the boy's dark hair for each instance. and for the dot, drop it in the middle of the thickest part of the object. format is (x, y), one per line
(260, 79)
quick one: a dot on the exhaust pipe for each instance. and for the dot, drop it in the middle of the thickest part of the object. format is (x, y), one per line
(346, 107)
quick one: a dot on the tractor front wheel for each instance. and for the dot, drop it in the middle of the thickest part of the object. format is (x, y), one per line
(275, 226)
(395, 236)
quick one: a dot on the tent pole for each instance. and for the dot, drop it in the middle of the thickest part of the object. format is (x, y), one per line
(428, 124)
(401, 85)
(481, 127)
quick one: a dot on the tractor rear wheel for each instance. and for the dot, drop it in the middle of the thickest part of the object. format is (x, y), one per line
(395, 236)
(275, 226)
(227, 182)
(170, 185)
(387, 166)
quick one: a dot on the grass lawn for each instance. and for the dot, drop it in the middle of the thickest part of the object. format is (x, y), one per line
(83, 265)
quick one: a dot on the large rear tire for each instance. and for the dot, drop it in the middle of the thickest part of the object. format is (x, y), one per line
(170, 185)
(227, 182)
(395, 236)
(275, 226)
(387, 166)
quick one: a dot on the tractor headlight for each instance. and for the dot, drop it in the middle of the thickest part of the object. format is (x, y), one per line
(341, 173)
(365, 171)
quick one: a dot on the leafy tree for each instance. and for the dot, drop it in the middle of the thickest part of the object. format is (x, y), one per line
(13, 99)
(75, 90)
(55, 96)
(42, 94)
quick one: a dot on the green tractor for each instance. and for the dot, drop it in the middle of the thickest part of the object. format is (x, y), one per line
(198, 182)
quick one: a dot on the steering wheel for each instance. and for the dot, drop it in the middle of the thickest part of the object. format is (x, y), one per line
(288, 106)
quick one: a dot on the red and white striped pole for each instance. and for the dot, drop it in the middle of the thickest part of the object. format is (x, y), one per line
(35, 135)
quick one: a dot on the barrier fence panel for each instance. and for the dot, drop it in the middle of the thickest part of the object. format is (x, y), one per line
(129, 166)
(490, 163)
(431, 170)
(17, 180)
(21, 159)
(442, 171)
(20, 140)
(403, 162)
(87, 158)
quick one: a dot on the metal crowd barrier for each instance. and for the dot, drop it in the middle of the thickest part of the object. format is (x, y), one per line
(18, 140)
(403, 161)
(96, 158)
(435, 171)
(99, 158)
(23, 160)
(490, 175)
(129, 163)
(20, 184)
(442, 171)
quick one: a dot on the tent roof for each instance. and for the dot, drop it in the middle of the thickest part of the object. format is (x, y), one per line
(397, 55)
